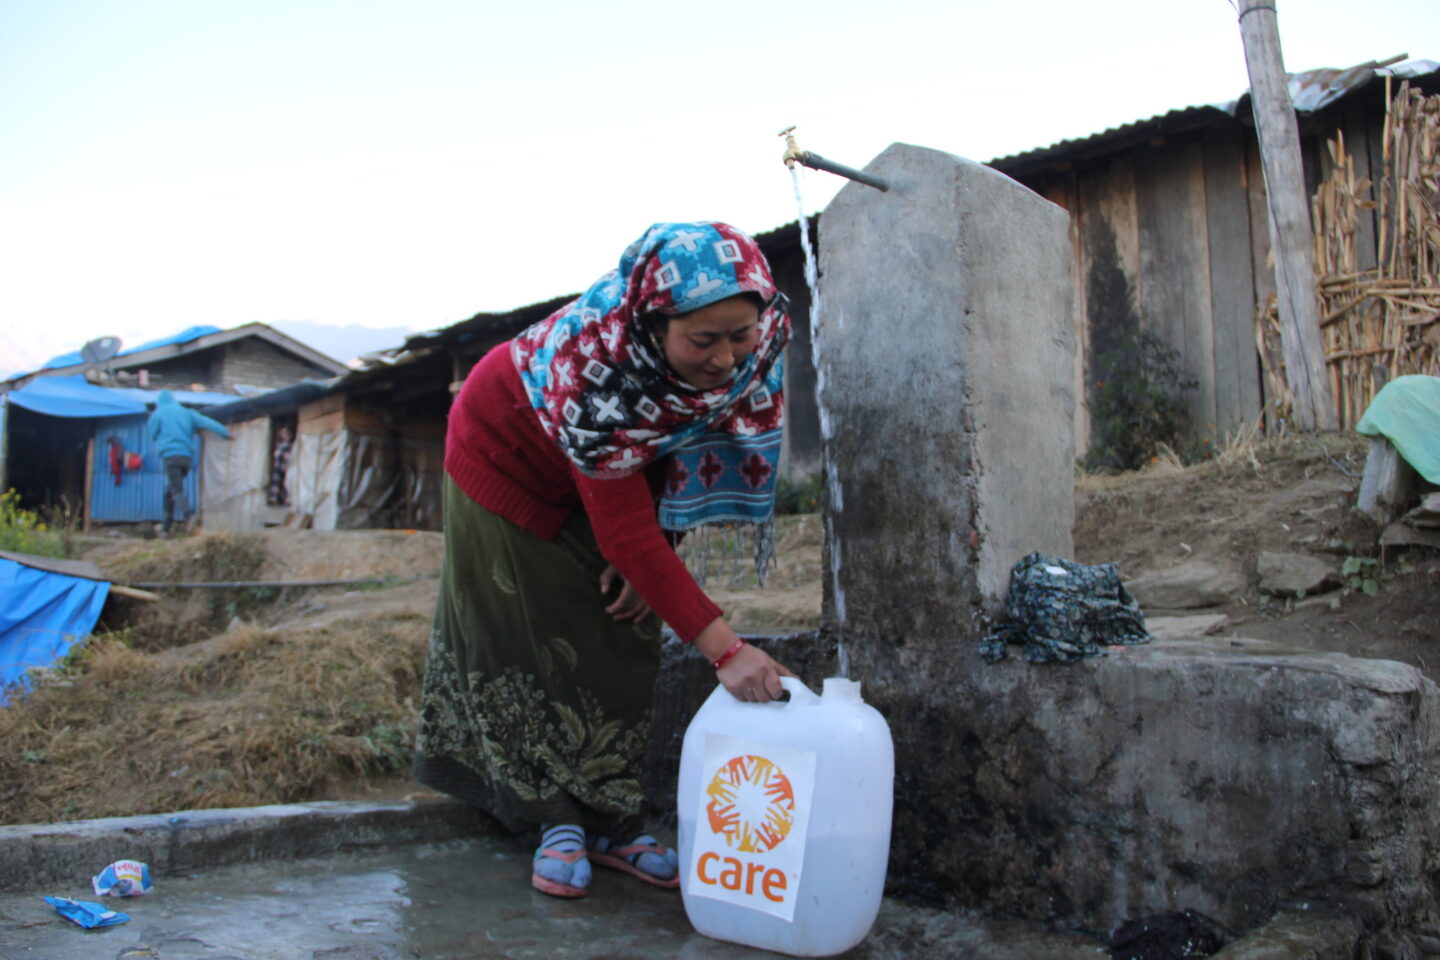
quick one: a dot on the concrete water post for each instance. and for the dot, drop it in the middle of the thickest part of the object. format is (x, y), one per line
(946, 361)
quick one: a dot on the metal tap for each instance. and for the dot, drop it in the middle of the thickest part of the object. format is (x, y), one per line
(794, 154)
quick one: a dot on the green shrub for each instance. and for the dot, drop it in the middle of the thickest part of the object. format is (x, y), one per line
(798, 496)
(23, 531)
(1136, 404)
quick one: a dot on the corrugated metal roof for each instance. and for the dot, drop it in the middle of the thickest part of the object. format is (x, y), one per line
(1176, 121)
(771, 241)
(1317, 89)
(1310, 91)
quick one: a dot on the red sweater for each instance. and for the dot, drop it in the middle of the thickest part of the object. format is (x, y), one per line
(497, 452)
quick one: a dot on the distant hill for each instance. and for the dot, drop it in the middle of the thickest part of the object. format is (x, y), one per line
(344, 343)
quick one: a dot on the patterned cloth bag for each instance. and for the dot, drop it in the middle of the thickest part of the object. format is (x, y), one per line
(1060, 611)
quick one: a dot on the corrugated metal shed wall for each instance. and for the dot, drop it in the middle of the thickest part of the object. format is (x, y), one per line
(139, 496)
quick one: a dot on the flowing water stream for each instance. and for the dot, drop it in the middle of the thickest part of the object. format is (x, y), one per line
(834, 500)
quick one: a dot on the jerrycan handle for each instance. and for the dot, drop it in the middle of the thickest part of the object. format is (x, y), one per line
(800, 695)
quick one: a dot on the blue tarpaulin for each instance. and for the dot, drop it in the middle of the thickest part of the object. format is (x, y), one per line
(184, 336)
(42, 615)
(74, 396)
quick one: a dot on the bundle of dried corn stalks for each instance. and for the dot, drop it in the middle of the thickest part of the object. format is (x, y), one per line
(1380, 320)
(1377, 260)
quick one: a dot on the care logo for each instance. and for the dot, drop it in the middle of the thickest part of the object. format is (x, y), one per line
(752, 804)
(752, 818)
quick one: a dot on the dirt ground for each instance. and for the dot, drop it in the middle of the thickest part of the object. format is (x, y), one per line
(242, 696)
(1294, 496)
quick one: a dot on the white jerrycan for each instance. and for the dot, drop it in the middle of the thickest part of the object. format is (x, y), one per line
(784, 812)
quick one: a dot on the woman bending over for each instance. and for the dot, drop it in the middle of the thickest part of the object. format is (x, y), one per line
(576, 455)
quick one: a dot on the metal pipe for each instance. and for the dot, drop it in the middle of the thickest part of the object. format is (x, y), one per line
(817, 162)
(793, 154)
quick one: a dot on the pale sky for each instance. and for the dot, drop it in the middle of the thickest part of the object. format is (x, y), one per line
(167, 163)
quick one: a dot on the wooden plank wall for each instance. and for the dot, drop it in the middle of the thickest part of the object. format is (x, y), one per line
(1063, 192)
(1107, 225)
(800, 451)
(1167, 241)
(1172, 236)
(1232, 281)
(1175, 267)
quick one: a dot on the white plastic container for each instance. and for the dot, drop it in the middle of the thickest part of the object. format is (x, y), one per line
(784, 813)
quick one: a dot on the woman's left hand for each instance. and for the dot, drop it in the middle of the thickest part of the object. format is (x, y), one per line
(629, 605)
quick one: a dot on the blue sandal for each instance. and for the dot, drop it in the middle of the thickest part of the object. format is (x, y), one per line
(647, 859)
(561, 867)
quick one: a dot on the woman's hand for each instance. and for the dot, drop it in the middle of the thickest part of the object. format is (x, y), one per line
(629, 605)
(751, 674)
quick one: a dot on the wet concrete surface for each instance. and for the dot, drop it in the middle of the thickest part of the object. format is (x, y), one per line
(429, 879)
(460, 898)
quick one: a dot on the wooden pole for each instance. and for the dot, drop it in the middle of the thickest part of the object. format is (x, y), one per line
(1291, 236)
(87, 494)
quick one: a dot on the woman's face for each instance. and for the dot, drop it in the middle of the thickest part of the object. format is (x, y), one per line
(706, 345)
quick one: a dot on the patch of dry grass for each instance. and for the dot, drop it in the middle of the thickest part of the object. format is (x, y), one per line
(190, 615)
(791, 598)
(207, 556)
(1241, 446)
(1245, 449)
(248, 717)
(727, 559)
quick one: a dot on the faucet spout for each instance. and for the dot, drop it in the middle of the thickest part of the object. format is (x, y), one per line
(792, 150)
(793, 154)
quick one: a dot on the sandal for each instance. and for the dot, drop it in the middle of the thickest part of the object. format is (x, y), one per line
(662, 869)
(561, 867)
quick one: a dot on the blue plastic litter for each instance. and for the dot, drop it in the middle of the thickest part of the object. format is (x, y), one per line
(86, 914)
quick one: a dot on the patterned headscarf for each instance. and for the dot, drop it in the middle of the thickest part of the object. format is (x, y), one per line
(596, 374)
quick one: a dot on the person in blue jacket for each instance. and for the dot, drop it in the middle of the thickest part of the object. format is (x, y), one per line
(172, 429)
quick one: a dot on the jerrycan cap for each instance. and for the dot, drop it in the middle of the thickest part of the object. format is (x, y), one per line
(841, 690)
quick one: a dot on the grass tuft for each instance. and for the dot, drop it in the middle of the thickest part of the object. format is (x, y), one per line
(247, 717)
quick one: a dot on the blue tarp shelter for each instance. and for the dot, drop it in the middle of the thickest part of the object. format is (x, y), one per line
(43, 613)
(99, 413)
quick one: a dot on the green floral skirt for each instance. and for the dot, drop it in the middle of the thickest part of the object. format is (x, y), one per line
(536, 704)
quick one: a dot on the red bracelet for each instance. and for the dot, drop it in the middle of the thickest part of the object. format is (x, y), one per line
(728, 655)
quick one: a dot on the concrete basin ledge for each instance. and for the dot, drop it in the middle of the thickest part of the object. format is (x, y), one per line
(33, 856)
(1175, 775)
